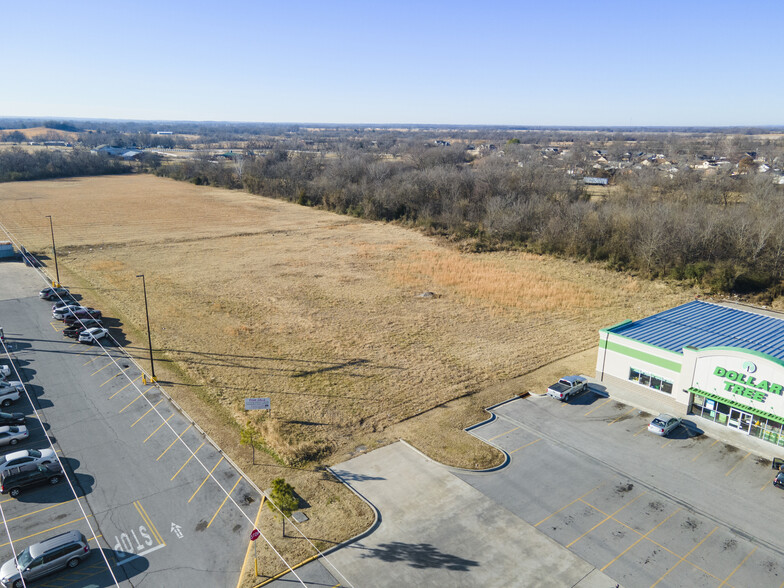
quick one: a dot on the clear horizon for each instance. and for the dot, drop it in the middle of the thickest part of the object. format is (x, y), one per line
(511, 64)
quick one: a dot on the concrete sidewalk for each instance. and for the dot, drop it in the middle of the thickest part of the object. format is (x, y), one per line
(662, 404)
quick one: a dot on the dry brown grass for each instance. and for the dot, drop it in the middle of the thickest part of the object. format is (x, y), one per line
(37, 131)
(256, 297)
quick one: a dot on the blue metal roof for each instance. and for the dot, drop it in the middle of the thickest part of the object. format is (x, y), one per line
(702, 324)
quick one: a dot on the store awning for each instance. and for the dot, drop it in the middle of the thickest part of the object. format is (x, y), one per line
(755, 411)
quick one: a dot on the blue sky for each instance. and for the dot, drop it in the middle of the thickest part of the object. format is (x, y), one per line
(500, 63)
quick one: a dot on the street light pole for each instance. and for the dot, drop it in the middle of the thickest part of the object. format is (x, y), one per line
(54, 251)
(149, 337)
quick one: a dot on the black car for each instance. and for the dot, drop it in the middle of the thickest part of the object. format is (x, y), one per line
(76, 328)
(13, 480)
(54, 293)
(779, 481)
(11, 418)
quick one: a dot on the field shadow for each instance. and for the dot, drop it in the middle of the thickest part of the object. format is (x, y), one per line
(419, 555)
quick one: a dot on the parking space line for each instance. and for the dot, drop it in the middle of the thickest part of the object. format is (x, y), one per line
(620, 555)
(124, 387)
(103, 368)
(186, 461)
(205, 479)
(738, 567)
(620, 417)
(54, 326)
(666, 443)
(224, 501)
(524, 446)
(157, 428)
(769, 483)
(597, 406)
(173, 442)
(502, 434)
(682, 559)
(112, 378)
(47, 530)
(738, 463)
(570, 504)
(645, 428)
(142, 393)
(146, 518)
(39, 510)
(74, 344)
(607, 517)
(704, 450)
(93, 359)
(146, 413)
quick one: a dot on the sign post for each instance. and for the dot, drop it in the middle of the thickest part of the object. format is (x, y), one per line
(256, 404)
(254, 534)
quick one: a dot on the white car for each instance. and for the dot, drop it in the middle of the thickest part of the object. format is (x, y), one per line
(27, 456)
(664, 424)
(5, 371)
(63, 311)
(8, 395)
(13, 435)
(13, 384)
(93, 334)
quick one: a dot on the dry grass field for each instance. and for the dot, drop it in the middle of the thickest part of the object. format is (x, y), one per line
(323, 314)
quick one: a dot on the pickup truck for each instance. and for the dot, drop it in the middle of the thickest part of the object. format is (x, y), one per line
(568, 386)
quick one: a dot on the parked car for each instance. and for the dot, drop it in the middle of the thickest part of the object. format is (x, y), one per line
(27, 456)
(15, 384)
(54, 293)
(779, 481)
(8, 395)
(93, 334)
(65, 303)
(5, 371)
(567, 387)
(80, 311)
(76, 328)
(12, 418)
(13, 435)
(13, 480)
(40, 559)
(664, 424)
(79, 315)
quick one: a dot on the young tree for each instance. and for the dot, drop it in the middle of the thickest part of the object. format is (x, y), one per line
(282, 496)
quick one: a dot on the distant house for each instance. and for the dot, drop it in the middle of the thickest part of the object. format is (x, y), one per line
(123, 152)
(164, 133)
(441, 143)
(593, 181)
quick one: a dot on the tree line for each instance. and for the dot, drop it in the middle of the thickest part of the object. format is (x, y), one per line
(16, 164)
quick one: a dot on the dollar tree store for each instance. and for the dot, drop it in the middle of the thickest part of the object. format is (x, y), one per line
(719, 362)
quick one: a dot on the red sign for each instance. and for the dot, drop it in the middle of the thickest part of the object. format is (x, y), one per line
(254, 534)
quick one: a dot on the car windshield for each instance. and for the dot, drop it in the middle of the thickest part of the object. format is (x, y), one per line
(24, 558)
(34, 453)
(658, 423)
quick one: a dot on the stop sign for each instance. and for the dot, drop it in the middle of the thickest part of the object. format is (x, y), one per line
(254, 534)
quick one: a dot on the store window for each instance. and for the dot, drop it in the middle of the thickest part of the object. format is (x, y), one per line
(650, 381)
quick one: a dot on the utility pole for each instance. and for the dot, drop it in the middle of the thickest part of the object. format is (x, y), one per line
(54, 252)
(149, 337)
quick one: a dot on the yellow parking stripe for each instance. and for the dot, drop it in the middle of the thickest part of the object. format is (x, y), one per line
(620, 417)
(205, 479)
(704, 450)
(124, 387)
(666, 443)
(157, 428)
(146, 518)
(568, 505)
(597, 406)
(103, 368)
(112, 378)
(738, 463)
(39, 510)
(177, 438)
(502, 434)
(186, 462)
(47, 530)
(620, 555)
(94, 358)
(224, 501)
(769, 483)
(54, 326)
(682, 559)
(645, 428)
(524, 446)
(607, 518)
(143, 392)
(738, 567)
(146, 413)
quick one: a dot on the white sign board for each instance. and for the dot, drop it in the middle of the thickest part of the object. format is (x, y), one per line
(257, 404)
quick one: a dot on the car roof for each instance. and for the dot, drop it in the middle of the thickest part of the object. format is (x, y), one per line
(37, 549)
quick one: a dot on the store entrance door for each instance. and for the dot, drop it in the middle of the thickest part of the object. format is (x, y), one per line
(739, 420)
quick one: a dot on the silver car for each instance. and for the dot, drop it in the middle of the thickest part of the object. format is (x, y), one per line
(664, 424)
(25, 456)
(39, 559)
(13, 435)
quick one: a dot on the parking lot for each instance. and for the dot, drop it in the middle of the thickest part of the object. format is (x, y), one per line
(686, 510)
(167, 507)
